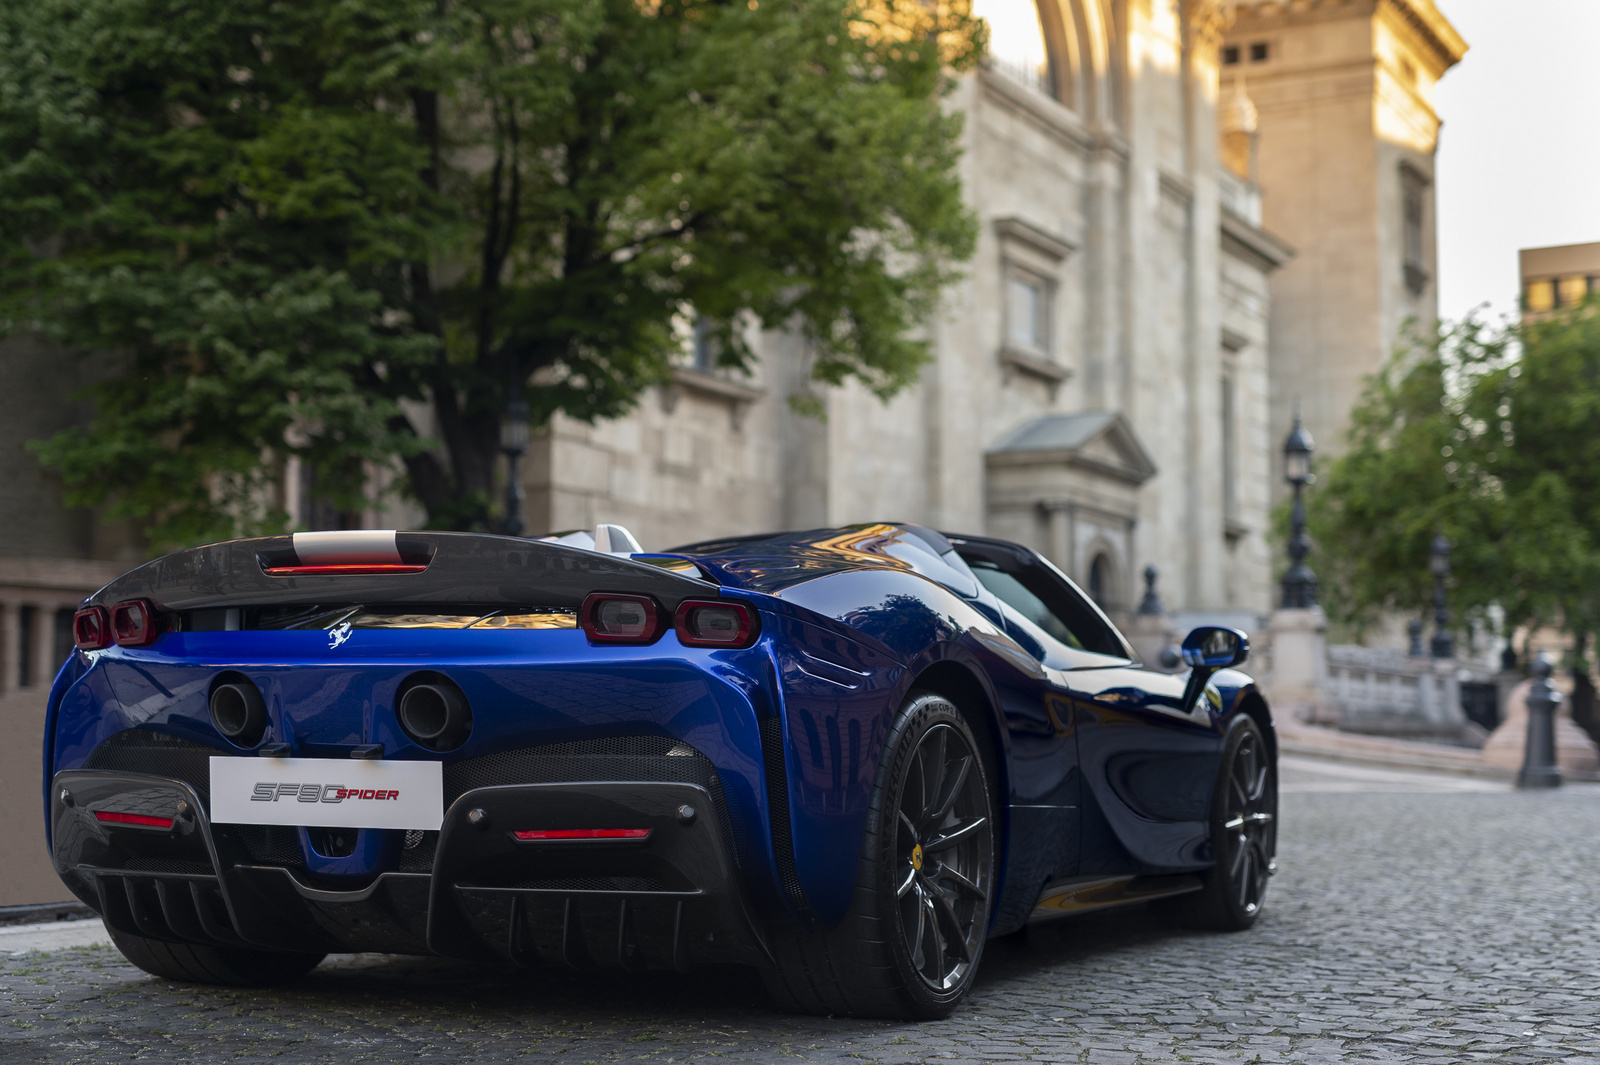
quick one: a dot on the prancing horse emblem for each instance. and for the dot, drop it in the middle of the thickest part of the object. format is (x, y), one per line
(338, 634)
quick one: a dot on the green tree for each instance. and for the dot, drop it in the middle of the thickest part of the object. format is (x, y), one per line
(1487, 436)
(350, 230)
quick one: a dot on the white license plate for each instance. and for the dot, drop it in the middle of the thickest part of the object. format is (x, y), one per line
(327, 792)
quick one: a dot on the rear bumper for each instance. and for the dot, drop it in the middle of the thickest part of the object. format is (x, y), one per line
(672, 899)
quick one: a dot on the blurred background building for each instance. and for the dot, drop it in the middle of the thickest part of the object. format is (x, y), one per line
(1555, 278)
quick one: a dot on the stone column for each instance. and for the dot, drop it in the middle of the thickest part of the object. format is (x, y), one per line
(1299, 680)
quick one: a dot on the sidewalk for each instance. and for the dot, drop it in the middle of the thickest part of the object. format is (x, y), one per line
(1297, 738)
(1294, 737)
(56, 935)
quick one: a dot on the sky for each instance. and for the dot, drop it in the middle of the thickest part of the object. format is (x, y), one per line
(1519, 155)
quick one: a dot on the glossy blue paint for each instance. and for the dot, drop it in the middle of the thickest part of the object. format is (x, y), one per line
(1099, 768)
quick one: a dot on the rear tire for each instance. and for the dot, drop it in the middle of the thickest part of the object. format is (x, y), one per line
(192, 963)
(910, 944)
(1244, 834)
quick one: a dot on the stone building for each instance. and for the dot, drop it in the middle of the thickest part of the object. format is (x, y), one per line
(1347, 132)
(1099, 386)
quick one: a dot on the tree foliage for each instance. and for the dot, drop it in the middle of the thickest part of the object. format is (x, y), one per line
(350, 230)
(1490, 437)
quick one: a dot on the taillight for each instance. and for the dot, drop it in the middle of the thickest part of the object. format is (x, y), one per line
(91, 628)
(607, 618)
(135, 623)
(714, 624)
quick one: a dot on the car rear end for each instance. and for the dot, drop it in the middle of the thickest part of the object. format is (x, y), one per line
(450, 743)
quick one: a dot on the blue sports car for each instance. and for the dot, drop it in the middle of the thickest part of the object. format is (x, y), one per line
(844, 757)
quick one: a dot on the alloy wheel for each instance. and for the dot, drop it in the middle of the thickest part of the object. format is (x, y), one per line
(943, 852)
(1246, 841)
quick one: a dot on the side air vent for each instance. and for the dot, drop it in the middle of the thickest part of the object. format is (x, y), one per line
(777, 776)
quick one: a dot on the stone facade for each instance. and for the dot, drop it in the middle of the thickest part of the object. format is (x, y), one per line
(1112, 290)
(1344, 90)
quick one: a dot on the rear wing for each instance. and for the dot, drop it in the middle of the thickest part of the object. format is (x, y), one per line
(392, 568)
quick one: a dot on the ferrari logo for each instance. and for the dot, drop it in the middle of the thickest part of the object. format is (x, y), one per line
(338, 634)
(916, 857)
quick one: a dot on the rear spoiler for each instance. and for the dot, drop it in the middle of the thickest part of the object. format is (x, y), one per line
(372, 567)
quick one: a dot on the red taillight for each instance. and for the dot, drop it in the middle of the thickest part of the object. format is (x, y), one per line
(338, 570)
(91, 628)
(607, 618)
(534, 835)
(135, 623)
(143, 820)
(718, 623)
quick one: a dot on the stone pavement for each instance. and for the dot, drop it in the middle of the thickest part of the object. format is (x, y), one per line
(1417, 918)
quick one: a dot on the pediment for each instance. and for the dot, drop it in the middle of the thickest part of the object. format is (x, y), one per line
(1099, 442)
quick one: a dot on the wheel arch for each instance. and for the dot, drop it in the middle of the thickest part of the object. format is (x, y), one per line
(1253, 704)
(957, 682)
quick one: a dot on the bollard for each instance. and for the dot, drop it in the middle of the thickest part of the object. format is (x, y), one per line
(1539, 768)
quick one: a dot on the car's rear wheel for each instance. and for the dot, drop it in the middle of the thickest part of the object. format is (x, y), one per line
(1244, 833)
(910, 944)
(195, 964)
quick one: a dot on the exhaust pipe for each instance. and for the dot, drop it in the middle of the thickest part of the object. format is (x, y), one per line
(434, 712)
(237, 710)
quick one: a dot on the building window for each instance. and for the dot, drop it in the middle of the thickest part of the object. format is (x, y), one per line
(703, 350)
(1259, 52)
(1027, 315)
(1541, 295)
(1230, 55)
(1571, 290)
(1413, 192)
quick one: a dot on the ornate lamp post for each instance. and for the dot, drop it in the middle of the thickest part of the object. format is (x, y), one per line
(514, 442)
(1539, 767)
(1439, 564)
(1299, 584)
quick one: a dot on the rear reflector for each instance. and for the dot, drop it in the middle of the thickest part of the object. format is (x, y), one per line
(135, 623)
(91, 628)
(133, 819)
(610, 618)
(533, 835)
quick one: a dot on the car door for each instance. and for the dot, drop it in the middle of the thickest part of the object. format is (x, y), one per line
(1140, 767)
(1043, 615)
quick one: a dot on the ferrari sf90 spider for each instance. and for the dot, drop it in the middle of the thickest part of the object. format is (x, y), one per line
(844, 757)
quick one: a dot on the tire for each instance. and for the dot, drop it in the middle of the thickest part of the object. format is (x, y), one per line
(192, 963)
(1244, 834)
(910, 944)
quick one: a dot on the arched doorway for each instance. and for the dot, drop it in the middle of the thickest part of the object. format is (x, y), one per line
(1102, 581)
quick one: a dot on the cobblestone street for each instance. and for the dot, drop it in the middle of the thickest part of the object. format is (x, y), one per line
(1414, 919)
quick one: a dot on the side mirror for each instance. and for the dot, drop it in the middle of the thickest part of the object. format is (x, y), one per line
(1206, 650)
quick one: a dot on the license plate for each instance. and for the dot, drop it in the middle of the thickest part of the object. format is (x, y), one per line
(327, 792)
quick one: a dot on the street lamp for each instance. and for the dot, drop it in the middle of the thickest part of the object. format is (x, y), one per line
(1299, 584)
(1439, 565)
(514, 442)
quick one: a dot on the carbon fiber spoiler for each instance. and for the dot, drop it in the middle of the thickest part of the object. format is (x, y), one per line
(407, 567)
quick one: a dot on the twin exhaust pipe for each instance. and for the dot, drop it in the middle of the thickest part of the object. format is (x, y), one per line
(431, 709)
